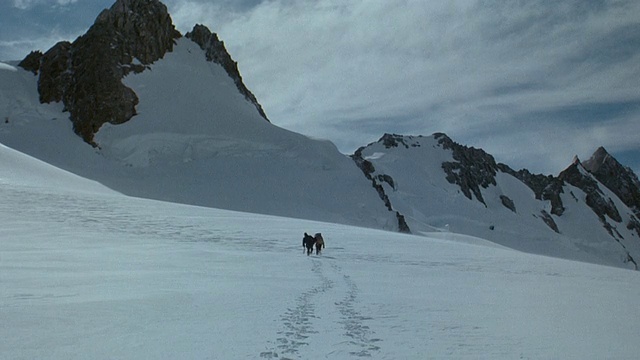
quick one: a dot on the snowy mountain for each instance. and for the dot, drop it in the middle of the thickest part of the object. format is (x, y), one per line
(86, 75)
(136, 106)
(439, 185)
(88, 273)
(167, 117)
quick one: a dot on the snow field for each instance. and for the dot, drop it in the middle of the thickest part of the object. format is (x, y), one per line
(103, 276)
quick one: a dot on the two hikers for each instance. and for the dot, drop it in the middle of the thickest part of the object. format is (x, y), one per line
(309, 241)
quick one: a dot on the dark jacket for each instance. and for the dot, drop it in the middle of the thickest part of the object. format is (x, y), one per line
(308, 240)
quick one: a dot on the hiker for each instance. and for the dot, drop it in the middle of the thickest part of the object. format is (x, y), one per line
(319, 243)
(308, 241)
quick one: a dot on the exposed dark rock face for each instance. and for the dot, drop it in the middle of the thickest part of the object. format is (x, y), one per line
(630, 259)
(402, 224)
(32, 62)
(86, 74)
(508, 203)
(621, 180)
(634, 224)
(387, 179)
(474, 168)
(139, 29)
(595, 197)
(394, 140)
(216, 52)
(376, 181)
(544, 187)
(56, 73)
(549, 221)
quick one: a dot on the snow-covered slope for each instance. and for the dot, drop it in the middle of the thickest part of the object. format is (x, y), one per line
(18, 168)
(198, 136)
(195, 140)
(411, 170)
(99, 275)
(189, 131)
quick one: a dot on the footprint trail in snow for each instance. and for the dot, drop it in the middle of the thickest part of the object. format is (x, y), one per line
(353, 322)
(333, 300)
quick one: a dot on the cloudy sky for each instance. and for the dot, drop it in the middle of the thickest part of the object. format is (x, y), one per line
(532, 82)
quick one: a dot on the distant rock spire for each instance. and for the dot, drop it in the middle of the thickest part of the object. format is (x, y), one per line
(576, 160)
(597, 160)
(595, 197)
(621, 180)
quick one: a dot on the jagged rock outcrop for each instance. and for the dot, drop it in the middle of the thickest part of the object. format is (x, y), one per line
(634, 224)
(86, 74)
(549, 221)
(508, 203)
(473, 168)
(216, 52)
(140, 29)
(395, 140)
(577, 176)
(621, 180)
(545, 187)
(56, 74)
(32, 62)
(376, 181)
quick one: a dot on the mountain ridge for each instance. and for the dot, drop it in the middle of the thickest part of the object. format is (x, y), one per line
(215, 51)
(552, 202)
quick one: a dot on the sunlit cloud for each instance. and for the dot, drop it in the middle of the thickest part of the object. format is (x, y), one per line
(26, 4)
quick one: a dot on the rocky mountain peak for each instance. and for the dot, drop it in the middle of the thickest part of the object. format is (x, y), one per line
(621, 180)
(216, 52)
(597, 159)
(86, 74)
(578, 176)
(140, 29)
(576, 160)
